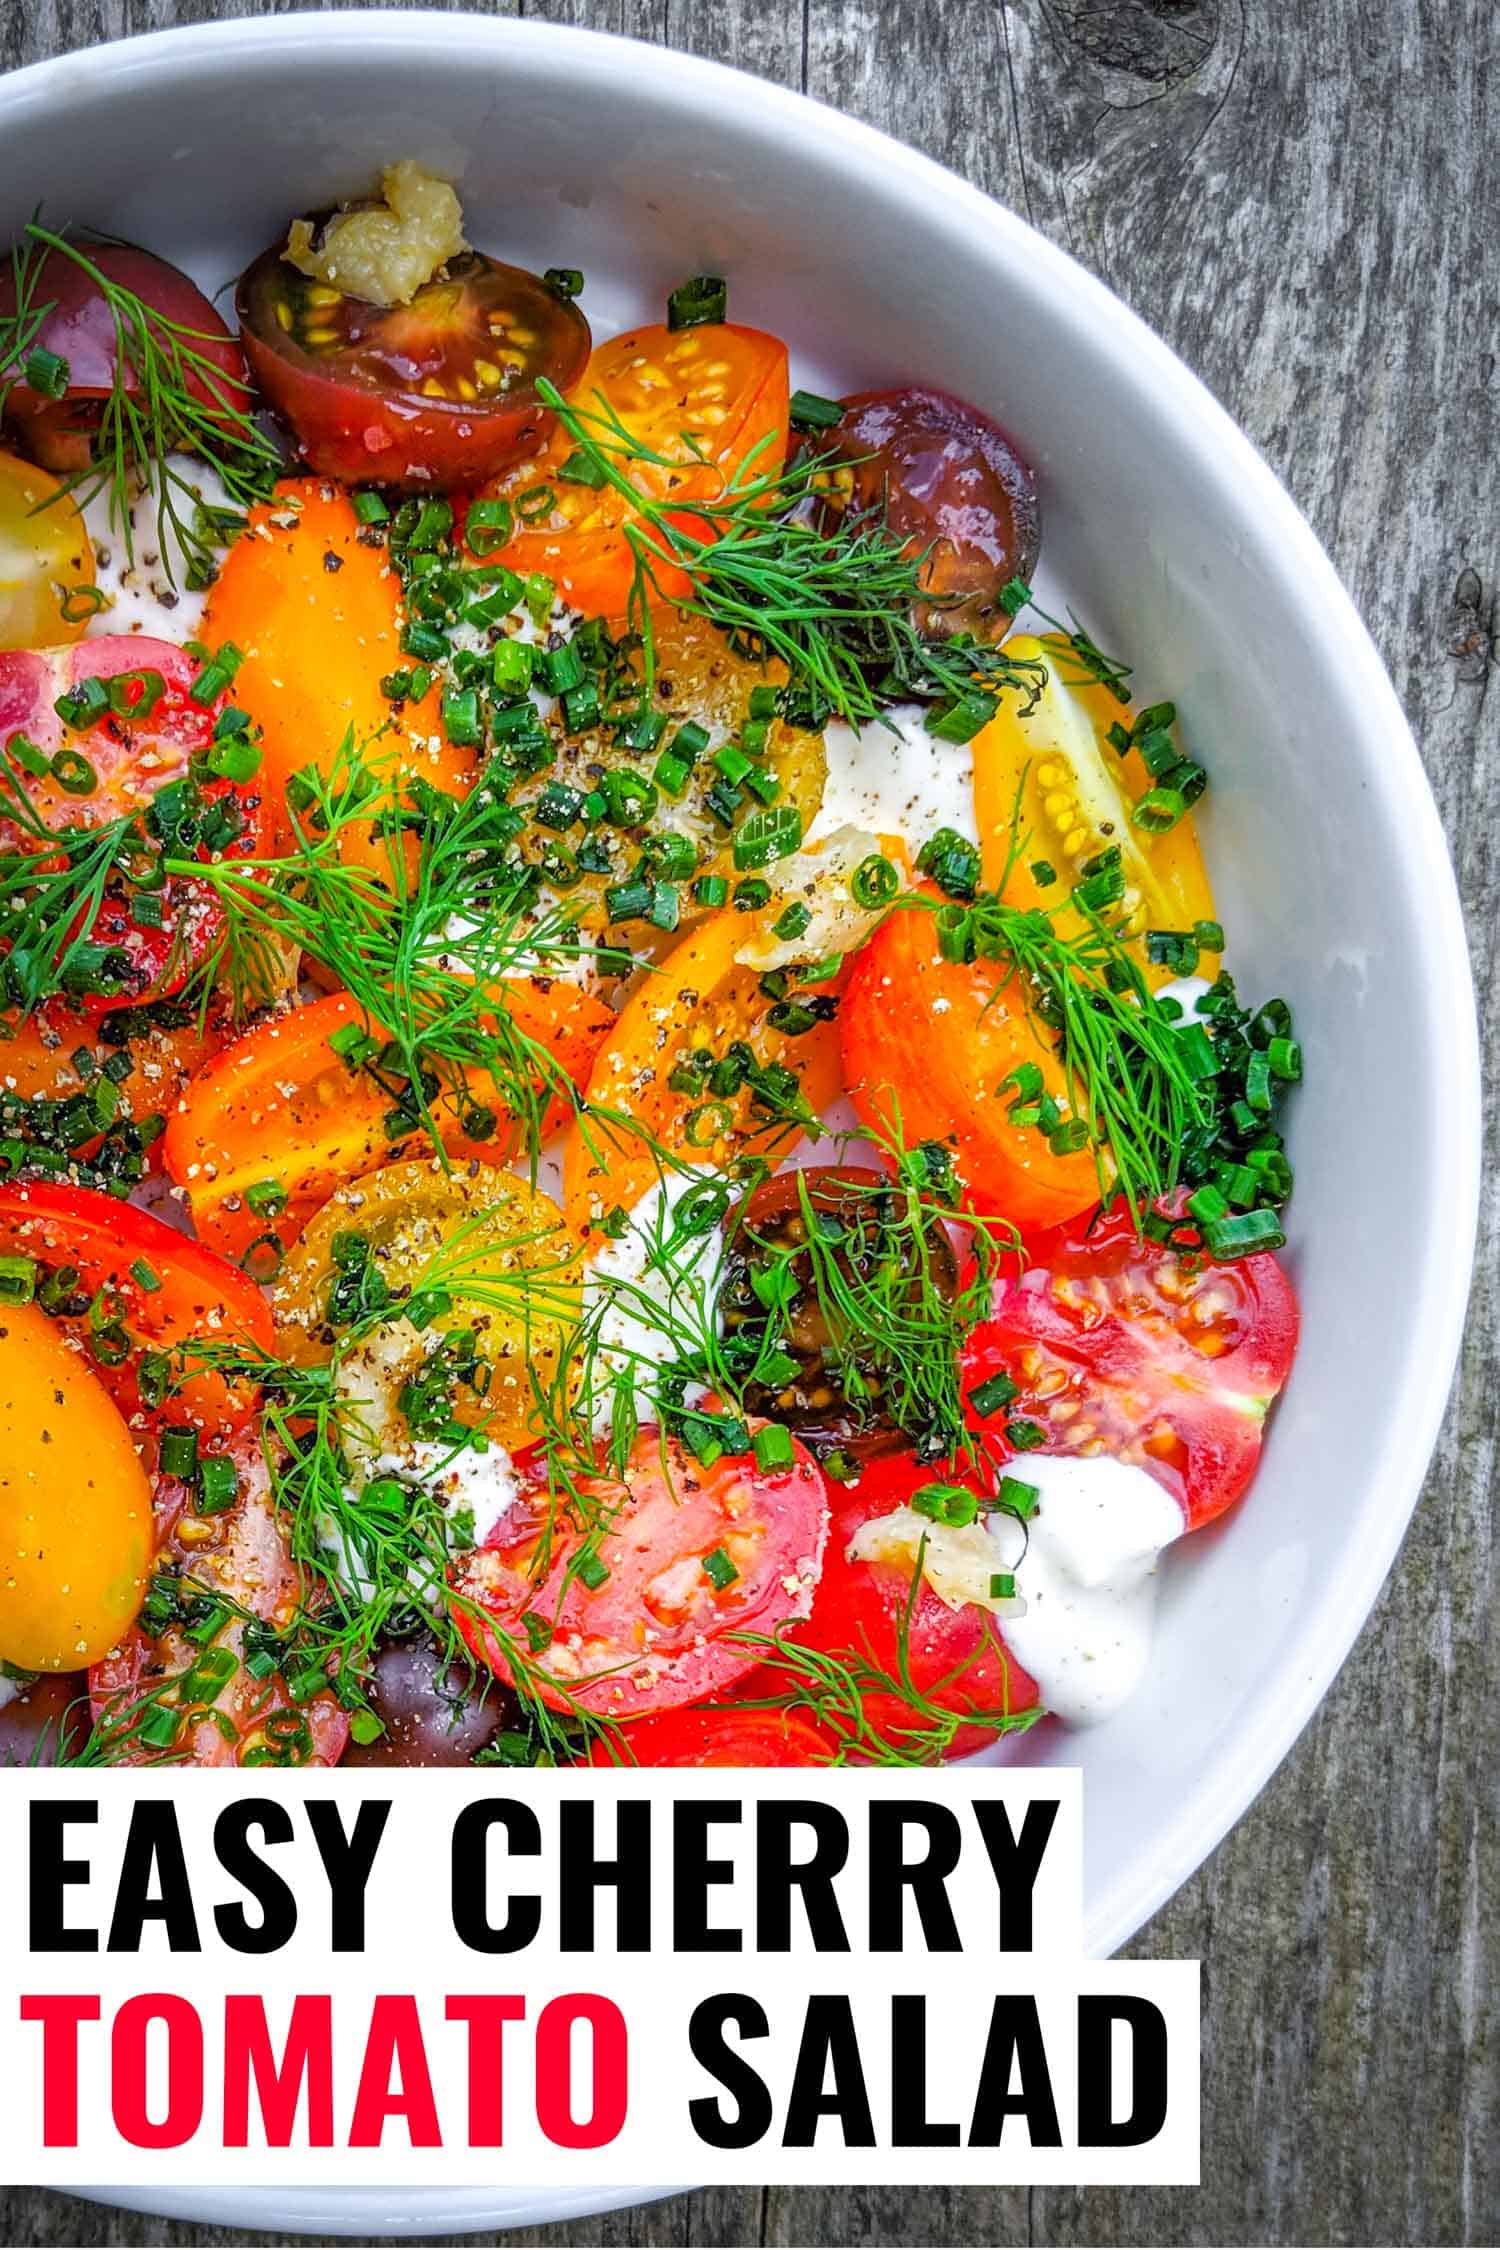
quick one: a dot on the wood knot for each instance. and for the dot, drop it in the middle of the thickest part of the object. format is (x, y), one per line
(1160, 42)
(1466, 630)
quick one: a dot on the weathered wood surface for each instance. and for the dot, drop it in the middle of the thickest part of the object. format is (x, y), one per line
(1303, 201)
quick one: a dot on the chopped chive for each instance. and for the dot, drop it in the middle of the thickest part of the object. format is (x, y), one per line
(807, 410)
(178, 1455)
(699, 303)
(767, 836)
(1025, 1436)
(218, 1485)
(1002, 1586)
(17, 1280)
(717, 1567)
(874, 882)
(1017, 1498)
(951, 1504)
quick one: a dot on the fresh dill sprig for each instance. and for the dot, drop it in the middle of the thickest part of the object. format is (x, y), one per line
(168, 396)
(1137, 1080)
(836, 605)
(834, 1689)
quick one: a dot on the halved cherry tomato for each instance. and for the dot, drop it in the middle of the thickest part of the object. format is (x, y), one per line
(316, 610)
(838, 1395)
(436, 393)
(46, 559)
(699, 679)
(58, 1056)
(705, 398)
(436, 1712)
(927, 1044)
(510, 1275)
(1076, 795)
(663, 1627)
(126, 1284)
(951, 484)
(716, 1736)
(282, 1111)
(231, 1714)
(954, 1660)
(1148, 1351)
(145, 742)
(80, 327)
(701, 1002)
(75, 1503)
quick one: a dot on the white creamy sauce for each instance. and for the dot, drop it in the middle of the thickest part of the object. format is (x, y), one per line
(9, 1689)
(1088, 1581)
(649, 1290)
(471, 1482)
(1084, 1569)
(149, 592)
(891, 776)
(1186, 991)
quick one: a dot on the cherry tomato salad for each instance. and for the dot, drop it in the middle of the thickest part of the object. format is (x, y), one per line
(623, 1135)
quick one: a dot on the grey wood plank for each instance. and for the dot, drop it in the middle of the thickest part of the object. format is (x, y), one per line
(1302, 201)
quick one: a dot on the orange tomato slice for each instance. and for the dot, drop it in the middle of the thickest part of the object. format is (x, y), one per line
(281, 1111)
(318, 616)
(926, 1045)
(701, 999)
(705, 398)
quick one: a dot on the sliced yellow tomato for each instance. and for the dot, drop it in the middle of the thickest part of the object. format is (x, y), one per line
(653, 1103)
(499, 1250)
(75, 1503)
(1075, 795)
(46, 560)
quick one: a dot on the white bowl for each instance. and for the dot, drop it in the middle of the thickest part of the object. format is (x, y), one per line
(1177, 546)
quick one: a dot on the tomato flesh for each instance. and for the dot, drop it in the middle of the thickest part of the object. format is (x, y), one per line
(1149, 1351)
(136, 1285)
(865, 1613)
(437, 393)
(705, 399)
(122, 763)
(951, 484)
(243, 1555)
(928, 1042)
(720, 1736)
(80, 328)
(659, 1630)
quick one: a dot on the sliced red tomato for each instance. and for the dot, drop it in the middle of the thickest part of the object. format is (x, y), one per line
(279, 1120)
(127, 1284)
(436, 393)
(1149, 1351)
(952, 485)
(916, 1658)
(716, 1736)
(692, 1558)
(928, 1045)
(703, 398)
(226, 1713)
(116, 766)
(80, 328)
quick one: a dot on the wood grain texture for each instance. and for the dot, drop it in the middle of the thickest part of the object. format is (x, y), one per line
(1302, 200)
